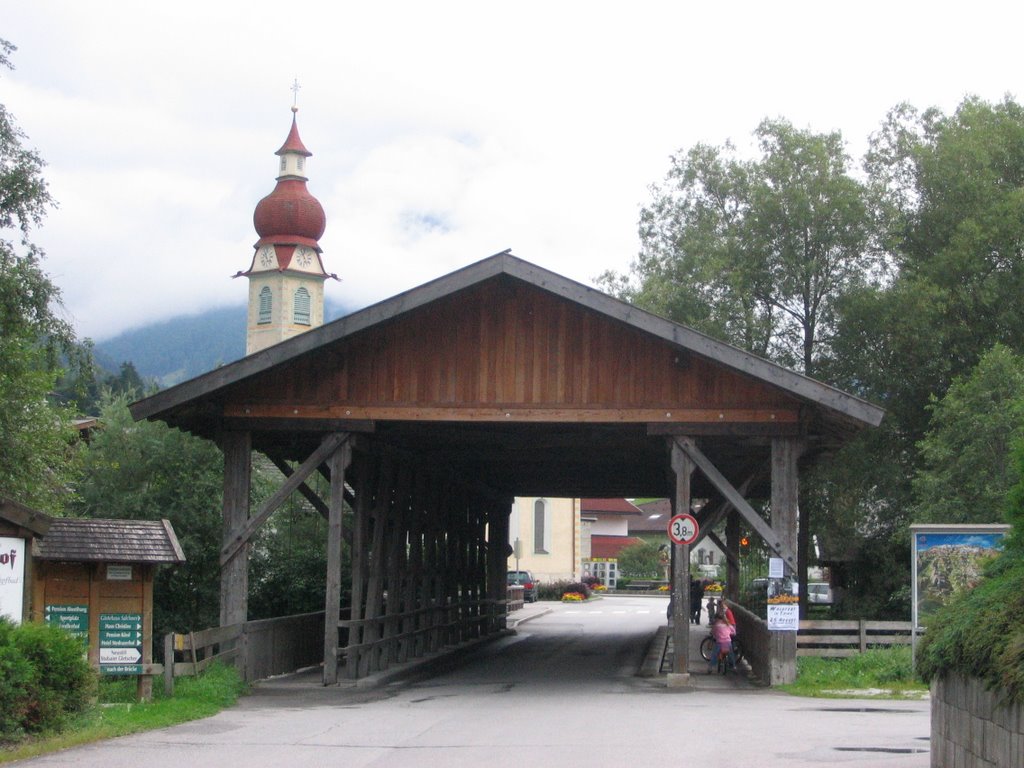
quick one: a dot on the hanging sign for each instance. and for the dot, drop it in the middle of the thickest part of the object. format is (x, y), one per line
(683, 529)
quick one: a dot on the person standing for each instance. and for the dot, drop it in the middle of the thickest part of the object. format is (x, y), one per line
(696, 593)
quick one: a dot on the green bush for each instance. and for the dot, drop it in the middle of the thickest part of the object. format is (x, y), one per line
(15, 682)
(44, 677)
(981, 634)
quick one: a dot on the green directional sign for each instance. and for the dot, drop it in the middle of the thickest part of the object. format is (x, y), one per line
(70, 618)
(120, 643)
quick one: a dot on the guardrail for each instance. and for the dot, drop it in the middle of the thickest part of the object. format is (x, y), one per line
(837, 639)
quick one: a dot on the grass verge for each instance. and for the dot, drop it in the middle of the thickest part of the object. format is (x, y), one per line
(116, 713)
(879, 673)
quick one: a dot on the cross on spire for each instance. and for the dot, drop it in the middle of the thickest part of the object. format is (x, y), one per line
(295, 94)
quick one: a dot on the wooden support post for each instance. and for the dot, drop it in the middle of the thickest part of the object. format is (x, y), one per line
(480, 566)
(434, 552)
(785, 492)
(732, 556)
(144, 688)
(360, 526)
(415, 583)
(338, 463)
(497, 553)
(452, 574)
(772, 538)
(370, 661)
(234, 573)
(680, 675)
(397, 565)
(169, 664)
(327, 447)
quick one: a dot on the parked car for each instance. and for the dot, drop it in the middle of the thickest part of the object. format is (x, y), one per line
(528, 583)
(819, 593)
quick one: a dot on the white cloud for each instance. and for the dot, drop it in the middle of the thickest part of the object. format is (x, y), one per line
(441, 132)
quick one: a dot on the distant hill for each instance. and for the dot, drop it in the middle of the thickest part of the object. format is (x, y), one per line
(174, 350)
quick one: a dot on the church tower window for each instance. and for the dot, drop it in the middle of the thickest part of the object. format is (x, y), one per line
(266, 305)
(301, 312)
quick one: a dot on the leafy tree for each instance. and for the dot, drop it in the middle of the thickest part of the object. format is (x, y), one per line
(148, 471)
(640, 561)
(758, 252)
(949, 195)
(36, 440)
(967, 467)
(755, 251)
(289, 559)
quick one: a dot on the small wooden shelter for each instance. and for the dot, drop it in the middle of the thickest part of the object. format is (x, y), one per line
(429, 411)
(94, 578)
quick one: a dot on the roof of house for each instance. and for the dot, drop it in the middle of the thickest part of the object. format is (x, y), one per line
(610, 546)
(654, 516)
(608, 506)
(112, 541)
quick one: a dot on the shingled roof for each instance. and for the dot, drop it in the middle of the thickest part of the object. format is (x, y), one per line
(110, 541)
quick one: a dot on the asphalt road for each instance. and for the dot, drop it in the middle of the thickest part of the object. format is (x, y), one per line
(561, 692)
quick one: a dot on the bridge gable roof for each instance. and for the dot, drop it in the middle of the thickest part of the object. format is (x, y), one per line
(504, 339)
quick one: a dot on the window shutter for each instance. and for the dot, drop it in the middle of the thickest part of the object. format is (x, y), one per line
(266, 305)
(301, 314)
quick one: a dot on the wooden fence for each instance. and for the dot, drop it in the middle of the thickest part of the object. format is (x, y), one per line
(834, 639)
(259, 649)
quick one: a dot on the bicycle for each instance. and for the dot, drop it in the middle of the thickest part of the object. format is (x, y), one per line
(709, 648)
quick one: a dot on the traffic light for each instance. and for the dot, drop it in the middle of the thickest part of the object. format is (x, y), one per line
(744, 545)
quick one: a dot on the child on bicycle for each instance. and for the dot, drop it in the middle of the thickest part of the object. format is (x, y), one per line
(723, 632)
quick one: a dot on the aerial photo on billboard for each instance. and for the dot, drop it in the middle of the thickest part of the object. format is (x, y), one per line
(949, 561)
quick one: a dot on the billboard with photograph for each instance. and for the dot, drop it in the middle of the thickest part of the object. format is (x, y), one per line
(947, 561)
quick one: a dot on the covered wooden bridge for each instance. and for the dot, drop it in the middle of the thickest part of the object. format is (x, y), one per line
(430, 411)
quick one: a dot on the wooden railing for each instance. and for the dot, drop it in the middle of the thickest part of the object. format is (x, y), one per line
(835, 639)
(515, 597)
(259, 649)
(378, 643)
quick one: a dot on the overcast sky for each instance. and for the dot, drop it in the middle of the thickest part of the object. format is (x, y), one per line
(441, 132)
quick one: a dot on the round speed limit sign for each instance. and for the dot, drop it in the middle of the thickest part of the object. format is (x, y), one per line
(682, 529)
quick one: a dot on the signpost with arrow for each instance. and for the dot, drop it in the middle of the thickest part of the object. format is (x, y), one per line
(120, 643)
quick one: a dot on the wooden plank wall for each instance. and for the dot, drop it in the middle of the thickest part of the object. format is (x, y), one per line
(508, 343)
(421, 565)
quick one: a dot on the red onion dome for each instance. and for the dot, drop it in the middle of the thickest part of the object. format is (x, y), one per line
(290, 210)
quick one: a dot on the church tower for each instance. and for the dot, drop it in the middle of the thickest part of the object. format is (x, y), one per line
(286, 276)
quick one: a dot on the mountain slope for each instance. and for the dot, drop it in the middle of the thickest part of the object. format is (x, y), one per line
(174, 350)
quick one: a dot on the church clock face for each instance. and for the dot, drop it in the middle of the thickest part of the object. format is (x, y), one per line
(304, 257)
(266, 256)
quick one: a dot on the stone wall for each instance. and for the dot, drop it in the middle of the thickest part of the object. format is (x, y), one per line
(971, 728)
